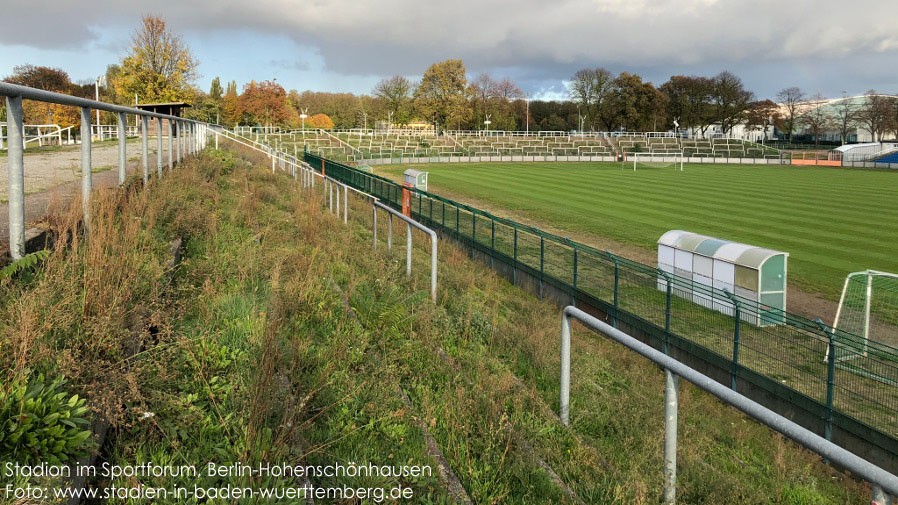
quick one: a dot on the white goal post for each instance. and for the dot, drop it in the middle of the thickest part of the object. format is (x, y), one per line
(658, 160)
(868, 308)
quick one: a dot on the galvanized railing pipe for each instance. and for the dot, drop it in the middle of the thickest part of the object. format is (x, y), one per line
(86, 181)
(145, 146)
(122, 148)
(16, 161)
(433, 243)
(884, 483)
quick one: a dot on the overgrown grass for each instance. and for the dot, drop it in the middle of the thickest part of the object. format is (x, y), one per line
(248, 352)
(832, 221)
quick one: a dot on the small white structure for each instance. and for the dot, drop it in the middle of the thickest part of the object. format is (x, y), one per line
(416, 179)
(713, 265)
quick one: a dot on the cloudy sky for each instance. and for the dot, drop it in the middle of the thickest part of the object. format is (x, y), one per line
(341, 45)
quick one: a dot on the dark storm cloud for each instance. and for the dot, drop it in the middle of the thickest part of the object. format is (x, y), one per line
(539, 40)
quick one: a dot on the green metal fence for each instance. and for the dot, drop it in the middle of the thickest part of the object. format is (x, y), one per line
(787, 361)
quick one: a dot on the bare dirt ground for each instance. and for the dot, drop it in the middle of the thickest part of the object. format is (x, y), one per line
(53, 179)
(45, 170)
(799, 302)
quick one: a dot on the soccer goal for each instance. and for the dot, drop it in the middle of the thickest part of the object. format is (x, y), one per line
(658, 160)
(868, 309)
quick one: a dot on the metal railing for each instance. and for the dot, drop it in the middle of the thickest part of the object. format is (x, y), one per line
(884, 483)
(408, 242)
(781, 363)
(191, 136)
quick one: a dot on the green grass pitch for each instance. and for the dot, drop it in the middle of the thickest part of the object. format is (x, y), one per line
(832, 221)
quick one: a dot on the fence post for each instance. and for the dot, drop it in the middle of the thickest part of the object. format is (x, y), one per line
(159, 150)
(390, 232)
(736, 329)
(542, 264)
(830, 377)
(345, 204)
(145, 146)
(86, 181)
(15, 144)
(564, 405)
(374, 221)
(408, 250)
(473, 232)
(616, 290)
(171, 151)
(514, 272)
(122, 149)
(179, 134)
(669, 292)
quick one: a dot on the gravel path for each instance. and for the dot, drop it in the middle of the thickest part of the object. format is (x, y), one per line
(51, 169)
(56, 176)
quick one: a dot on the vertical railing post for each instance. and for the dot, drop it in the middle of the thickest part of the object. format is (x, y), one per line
(671, 394)
(345, 204)
(145, 147)
(616, 288)
(514, 270)
(390, 232)
(830, 377)
(159, 150)
(179, 132)
(86, 173)
(171, 141)
(408, 250)
(880, 497)
(492, 242)
(15, 154)
(737, 310)
(542, 264)
(473, 232)
(564, 408)
(374, 221)
(122, 148)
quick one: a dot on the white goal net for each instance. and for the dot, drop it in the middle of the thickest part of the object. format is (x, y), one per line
(868, 310)
(657, 160)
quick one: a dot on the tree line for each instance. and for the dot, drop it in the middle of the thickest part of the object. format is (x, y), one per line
(160, 67)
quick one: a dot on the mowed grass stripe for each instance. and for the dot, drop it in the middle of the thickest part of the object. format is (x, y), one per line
(832, 221)
(664, 205)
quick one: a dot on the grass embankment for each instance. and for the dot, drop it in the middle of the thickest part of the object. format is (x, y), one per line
(832, 221)
(247, 352)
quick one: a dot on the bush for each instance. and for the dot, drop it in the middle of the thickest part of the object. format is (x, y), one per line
(40, 422)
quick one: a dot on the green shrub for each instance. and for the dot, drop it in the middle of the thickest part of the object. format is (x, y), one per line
(41, 422)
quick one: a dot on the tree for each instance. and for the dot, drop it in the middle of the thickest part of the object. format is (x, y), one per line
(790, 99)
(875, 115)
(592, 89)
(441, 95)
(844, 118)
(816, 120)
(47, 79)
(396, 91)
(729, 100)
(229, 103)
(263, 103)
(215, 96)
(689, 101)
(321, 121)
(159, 67)
(762, 115)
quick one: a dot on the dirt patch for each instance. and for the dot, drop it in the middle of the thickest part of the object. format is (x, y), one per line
(51, 169)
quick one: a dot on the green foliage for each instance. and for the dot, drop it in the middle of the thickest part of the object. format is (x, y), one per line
(24, 263)
(41, 422)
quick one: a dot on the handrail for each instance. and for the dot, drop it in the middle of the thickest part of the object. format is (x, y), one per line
(410, 223)
(14, 90)
(193, 140)
(883, 481)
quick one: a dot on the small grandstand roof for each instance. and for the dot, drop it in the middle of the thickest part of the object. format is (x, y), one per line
(712, 247)
(163, 104)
